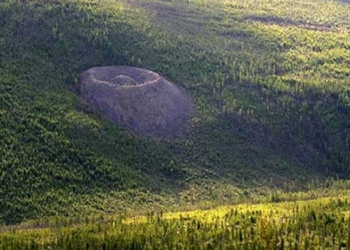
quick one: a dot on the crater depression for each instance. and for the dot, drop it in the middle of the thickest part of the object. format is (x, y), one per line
(139, 100)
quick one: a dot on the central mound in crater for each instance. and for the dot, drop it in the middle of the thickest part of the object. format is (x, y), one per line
(139, 100)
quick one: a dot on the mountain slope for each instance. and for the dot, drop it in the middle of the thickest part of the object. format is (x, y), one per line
(271, 90)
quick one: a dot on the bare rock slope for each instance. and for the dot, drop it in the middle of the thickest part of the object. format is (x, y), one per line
(139, 100)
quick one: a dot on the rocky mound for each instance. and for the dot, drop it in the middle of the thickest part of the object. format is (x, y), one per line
(139, 100)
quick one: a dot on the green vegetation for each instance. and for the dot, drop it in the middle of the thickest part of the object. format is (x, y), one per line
(314, 224)
(271, 87)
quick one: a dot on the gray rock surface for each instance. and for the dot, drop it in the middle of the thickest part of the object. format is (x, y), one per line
(139, 100)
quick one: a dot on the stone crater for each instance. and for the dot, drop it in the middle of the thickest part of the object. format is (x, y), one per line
(139, 100)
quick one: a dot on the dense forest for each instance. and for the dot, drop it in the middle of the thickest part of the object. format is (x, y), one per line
(316, 224)
(270, 83)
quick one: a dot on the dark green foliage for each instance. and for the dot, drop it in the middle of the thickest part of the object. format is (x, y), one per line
(275, 228)
(265, 114)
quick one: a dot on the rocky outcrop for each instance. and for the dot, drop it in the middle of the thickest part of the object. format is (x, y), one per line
(139, 100)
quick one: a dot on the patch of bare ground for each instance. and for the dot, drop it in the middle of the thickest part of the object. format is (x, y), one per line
(285, 23)
(180, 17)
(139, 100)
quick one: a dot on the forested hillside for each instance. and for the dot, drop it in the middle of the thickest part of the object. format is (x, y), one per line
(269, 80)
(314, 224)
